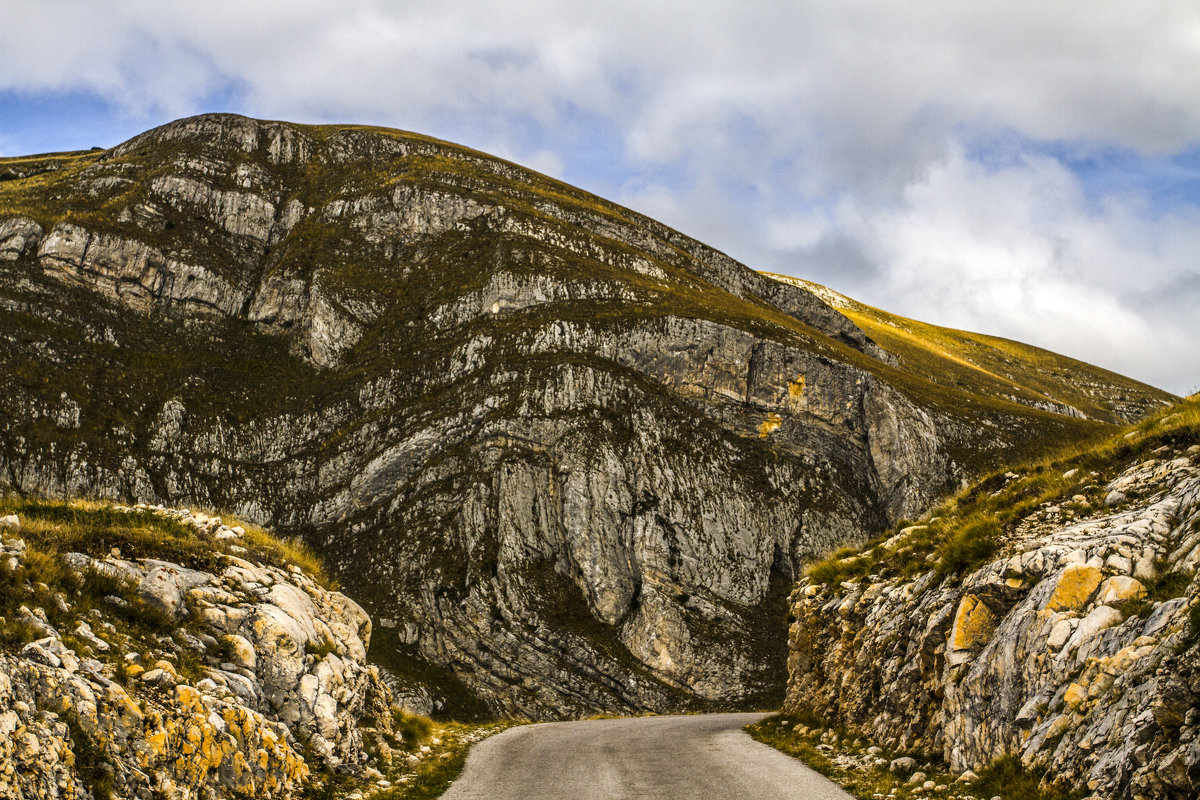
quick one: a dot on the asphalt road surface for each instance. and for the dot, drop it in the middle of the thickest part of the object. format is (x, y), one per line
(705, 757)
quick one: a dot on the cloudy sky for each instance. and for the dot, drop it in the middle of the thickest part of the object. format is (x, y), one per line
(1027, 169)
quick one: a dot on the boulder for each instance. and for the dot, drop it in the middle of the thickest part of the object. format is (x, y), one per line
(1101, 617)
(1075, 586)
(1120, 588)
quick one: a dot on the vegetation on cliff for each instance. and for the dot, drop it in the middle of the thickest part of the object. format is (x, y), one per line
(1046, 620)
(145, 649)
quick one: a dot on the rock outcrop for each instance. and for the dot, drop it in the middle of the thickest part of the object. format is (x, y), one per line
(1076, 649)
(256, 680)
(576, 455)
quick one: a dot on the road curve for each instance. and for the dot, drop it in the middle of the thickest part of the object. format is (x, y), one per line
(704, 757)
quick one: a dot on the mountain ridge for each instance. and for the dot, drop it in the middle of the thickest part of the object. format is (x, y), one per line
(573, 456)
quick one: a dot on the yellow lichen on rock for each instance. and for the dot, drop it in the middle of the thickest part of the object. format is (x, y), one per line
(795, 400)
(974, 624)
(1075, 696)
(772, 422)
(189, 699)
(1074, 587)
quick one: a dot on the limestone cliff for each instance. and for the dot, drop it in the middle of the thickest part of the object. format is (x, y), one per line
(1064, 628)
(570, 459)
(142, 677)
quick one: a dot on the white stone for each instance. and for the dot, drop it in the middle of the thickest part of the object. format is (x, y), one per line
(1060, 633)
(1119, 588)
(1119, 564)
(1100, 618)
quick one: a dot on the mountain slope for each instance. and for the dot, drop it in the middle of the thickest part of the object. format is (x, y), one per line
(990, 365)
(568, 456)
(1050, 616)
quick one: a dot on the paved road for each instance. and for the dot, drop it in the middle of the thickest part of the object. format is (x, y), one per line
(705, 757)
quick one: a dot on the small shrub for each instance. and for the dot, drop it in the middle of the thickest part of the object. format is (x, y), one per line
(16, 633)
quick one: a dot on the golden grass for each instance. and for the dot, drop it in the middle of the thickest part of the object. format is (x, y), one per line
(979, 363)
(95, 527)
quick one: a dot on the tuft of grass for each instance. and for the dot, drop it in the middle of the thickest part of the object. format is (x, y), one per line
(842, 565)
(969, 548)
(410, 730)
(1167, 586)
(320, 649)
(284, 551)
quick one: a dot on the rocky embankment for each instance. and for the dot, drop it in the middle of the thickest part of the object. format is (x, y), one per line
(1075, 648)
(140, 678)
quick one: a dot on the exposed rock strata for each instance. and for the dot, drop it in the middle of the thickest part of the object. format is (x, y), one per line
(1051, 652)
(578, 453)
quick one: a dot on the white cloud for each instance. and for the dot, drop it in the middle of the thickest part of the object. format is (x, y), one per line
(1014, 252)
(822, 137)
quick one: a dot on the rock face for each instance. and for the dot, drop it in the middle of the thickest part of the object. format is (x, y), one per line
(576, 455)
(1052, 652)
(289, 699)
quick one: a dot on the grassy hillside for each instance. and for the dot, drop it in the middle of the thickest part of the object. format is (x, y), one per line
(967, 530)
(992, 366)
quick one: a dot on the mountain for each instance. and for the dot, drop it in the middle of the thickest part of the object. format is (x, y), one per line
(1049, 615)
(570, 459)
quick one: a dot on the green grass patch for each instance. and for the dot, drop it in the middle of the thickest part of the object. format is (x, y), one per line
(966, 531)
(970, 547)
(411, 730)
(1008, 778)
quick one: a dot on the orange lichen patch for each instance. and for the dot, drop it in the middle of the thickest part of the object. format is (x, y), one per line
(1075, 695)
(1075, 586)
(796, 387)
(772, 422)
(973, 624)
